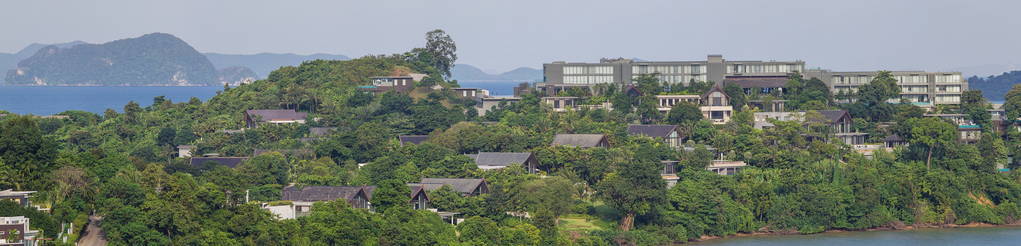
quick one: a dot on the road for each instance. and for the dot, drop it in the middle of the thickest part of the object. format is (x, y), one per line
(93, 235)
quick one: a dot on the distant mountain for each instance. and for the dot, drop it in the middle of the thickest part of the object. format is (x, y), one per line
(10, 61)
(465, 72)
(264, 63)
(235, 75)
(995, 88)
(152, 59)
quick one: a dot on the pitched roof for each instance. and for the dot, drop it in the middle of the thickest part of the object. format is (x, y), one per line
(12, 193)
(714, 89)
(578, 140)
(230, 162)
(832, 116)
(321, 131)
(757, 81)
(263, 115)
(320, 193)
(415, 139)
(662, 131)
(500, 158)
(460, 185)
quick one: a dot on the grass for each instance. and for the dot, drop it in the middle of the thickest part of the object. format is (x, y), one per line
(582, 223)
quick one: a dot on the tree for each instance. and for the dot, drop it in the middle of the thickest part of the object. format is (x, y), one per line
(442, 49)
(975, 106)
(268, 168)
(684, 114)
(27, 151)
(1012, 103)
(390, 194)
(736, 94)
(634, 189)
(993, 150)
(931, 134)
(872, 98)
(479, 231)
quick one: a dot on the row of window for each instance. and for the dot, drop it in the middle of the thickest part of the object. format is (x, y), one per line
(674, 79)
(668, 69)
(948, 99)
(764, 68)
(590, 79)
(948, 78)
(914, 89)
(588, 69)
(911, 78)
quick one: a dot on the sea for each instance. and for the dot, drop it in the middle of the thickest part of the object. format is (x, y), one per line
(49, 100)
(928, 237)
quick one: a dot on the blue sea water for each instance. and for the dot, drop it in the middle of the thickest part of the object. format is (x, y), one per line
(48, 100)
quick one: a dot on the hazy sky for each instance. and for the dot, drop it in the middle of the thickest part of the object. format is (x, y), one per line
(502, 35)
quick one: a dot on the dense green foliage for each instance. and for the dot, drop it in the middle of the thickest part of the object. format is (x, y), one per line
(122, 166)
(995, 87)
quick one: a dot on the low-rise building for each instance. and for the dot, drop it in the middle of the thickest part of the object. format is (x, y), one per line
(256, 117)
(467, 187)
(491, 103)
(412, 139)
(500, 160)
(16, 231)
(667, 133)
(581, 140)
(716, 106)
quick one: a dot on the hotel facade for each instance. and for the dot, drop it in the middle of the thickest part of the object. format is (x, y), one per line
(918, 87)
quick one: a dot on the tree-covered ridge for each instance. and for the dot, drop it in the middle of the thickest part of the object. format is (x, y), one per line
(995, 87)
(123, 166)
(152, 59)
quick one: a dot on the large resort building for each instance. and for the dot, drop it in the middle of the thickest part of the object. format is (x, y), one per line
(921, 88)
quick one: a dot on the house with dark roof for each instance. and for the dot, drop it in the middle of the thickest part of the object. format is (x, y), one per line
(255, 117)
(383, 84)
(231, 162)
(467, 187)
(841, 126)
(893, 140)
(412, 139)
(581, 140)
(667, 133)
(302, 198)
(716, 106)
(498, 160)
(758, 86)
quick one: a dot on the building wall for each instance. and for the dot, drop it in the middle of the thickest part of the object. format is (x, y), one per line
(933, 88)
(624, 71)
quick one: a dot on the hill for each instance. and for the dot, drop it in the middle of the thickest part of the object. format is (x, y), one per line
(152, 59)
(10, 61)
(263, 63)
(995, 87)
(465, 72)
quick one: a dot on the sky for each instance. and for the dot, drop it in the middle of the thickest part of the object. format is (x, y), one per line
(498, 36)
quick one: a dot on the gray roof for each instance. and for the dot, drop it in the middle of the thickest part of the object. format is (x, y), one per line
(661, 131)
(275, 114)
(460, 185)
(320, 193)
(578, 140)
(321, 131)
(833, 115)
(415, 139)
(757, 81)
(230, 162)
(500, 158)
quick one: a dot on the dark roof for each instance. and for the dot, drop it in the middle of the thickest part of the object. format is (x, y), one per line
(368, 190)
(578, 140)
(321, 131)
(321, 193)
(500, 158)
(832, 116)
(231, 162)
(715, 88)
(415, 139)
(415, 189)
(460, 185)
(661, 131)
(893, 138)
(757, 81)
(275, 114)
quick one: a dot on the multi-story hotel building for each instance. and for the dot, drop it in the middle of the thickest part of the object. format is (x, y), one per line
(714, 68)
(919, 87)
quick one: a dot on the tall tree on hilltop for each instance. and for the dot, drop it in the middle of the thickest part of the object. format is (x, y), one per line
(634, 190)
(442, 50)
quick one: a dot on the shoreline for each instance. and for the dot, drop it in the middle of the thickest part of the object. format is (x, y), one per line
(883, 228)
(151, 85)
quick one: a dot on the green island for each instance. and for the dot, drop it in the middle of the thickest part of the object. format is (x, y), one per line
(385, 150)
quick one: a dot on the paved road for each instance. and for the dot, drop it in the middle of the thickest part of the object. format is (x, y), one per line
(93, 235)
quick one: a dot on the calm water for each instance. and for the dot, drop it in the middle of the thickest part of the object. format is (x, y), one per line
(53, 99)
(957, 236)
